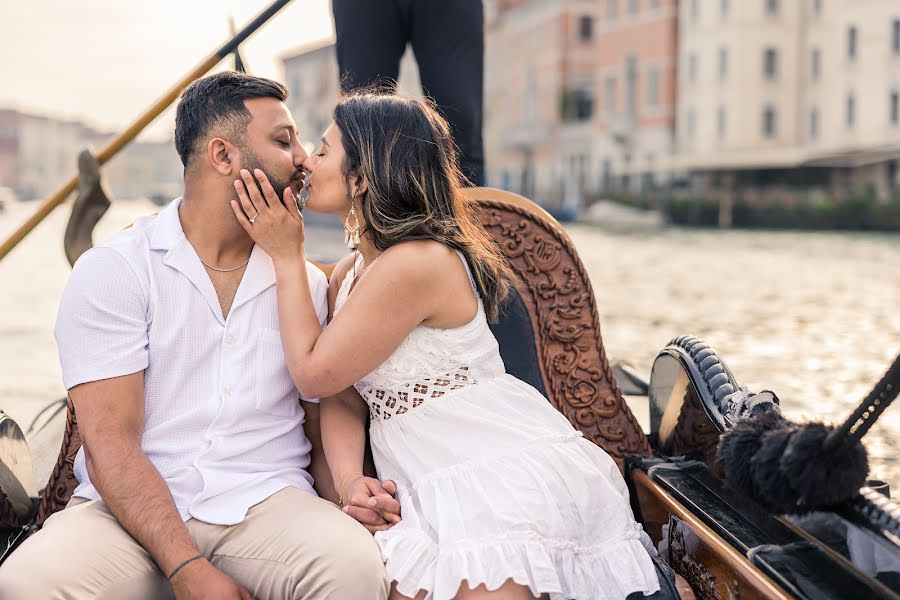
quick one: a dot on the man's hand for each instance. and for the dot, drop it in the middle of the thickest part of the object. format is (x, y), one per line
(372, 503)
(202, 581)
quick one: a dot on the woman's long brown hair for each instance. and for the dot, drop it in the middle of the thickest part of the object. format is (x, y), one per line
(404, 150)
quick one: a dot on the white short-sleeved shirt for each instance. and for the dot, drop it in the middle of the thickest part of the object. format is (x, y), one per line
(222, 419)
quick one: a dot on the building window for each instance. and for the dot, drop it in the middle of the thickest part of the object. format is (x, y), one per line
(610, 93)
(851, 42)
(695, 10)
(531, 94)
(815, 64)
(631, 77)
(723, 63)
(654, 4)
(817, 7)
(724, 7)
(895, 107)
(653, 87)
(770, 123)
(586, 28)
(692, 68)
(612, 9)
(691, 124)
(895, 36)
(772, 7)
(851, 110)
(632, 7)
(813, 123)
(770, 63)
(578, 105)
(721, 122)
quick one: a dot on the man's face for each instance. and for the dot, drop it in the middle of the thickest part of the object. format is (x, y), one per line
(271, 145)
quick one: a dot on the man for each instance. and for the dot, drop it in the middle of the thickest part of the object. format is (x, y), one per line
(448, 41)
(195, 473)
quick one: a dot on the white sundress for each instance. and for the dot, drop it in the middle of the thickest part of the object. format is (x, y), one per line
(493, 482)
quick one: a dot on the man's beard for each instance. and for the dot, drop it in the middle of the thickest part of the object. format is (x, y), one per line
(250, 161)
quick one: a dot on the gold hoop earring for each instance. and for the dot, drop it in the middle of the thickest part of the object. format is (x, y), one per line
(351, 228)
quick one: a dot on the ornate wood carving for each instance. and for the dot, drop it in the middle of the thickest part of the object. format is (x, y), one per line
(557, 292)
(705, 585)
(62, 482)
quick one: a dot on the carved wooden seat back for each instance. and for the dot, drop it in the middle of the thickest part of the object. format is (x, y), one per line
(549, 336)
(565, 328)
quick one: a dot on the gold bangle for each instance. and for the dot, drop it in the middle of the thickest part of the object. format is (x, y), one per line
(343, 485)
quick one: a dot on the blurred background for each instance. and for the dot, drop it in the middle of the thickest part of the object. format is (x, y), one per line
(726, 168)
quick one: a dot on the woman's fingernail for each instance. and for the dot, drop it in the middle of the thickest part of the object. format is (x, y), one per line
(372, 501)
(346, 509)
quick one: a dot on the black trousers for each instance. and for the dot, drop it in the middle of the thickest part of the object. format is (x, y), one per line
(447, 37)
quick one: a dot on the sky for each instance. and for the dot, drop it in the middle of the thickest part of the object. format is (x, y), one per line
(104, 62)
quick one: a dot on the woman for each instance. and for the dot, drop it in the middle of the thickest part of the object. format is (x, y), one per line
(500, 497)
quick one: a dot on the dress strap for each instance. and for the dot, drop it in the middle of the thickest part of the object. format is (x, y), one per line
(465, 262)
(344, 290)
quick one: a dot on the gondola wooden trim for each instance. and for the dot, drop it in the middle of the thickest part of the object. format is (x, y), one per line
(735, 559)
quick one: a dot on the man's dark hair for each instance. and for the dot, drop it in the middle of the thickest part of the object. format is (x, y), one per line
(217, 103)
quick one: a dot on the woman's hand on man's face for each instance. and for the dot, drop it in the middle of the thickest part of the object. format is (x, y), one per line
(276, 227)
(372, 503)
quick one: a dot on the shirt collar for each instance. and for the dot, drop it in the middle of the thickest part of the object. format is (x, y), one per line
(181, 256)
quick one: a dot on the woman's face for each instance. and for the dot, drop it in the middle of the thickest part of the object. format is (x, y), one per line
(325, 182)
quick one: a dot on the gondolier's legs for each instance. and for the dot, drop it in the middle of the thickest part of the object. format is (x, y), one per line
(371, 38)
(448, 42)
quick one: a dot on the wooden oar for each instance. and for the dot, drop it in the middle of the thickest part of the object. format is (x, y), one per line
(129, 134)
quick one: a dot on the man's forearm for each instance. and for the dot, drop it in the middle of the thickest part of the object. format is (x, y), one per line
(138, 497)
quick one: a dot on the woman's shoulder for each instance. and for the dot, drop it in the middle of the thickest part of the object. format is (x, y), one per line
(424, 255)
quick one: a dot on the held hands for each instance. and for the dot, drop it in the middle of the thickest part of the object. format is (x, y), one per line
(372, 503)
(276, 227)
(202, 581)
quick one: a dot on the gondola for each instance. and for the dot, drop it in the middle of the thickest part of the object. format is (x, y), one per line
(723, 518)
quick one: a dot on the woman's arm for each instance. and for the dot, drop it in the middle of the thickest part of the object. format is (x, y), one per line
(398, 293)
(344, 436)
(344, 440)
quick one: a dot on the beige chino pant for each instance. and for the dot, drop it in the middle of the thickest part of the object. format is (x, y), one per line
(290, 546)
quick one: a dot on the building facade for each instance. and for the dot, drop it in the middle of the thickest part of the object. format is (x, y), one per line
(38, 154)
(579, 96)
(782, 94)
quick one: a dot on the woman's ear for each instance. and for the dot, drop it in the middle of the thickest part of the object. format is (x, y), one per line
(360, 187)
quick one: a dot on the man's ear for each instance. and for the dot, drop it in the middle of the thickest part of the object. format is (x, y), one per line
(221, 156)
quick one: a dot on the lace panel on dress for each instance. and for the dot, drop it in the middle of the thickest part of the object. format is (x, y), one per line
(384, 403)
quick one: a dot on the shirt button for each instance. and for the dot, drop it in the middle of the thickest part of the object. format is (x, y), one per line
(230, 340)
(227, 390)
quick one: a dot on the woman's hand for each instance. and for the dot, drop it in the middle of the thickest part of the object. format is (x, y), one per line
(274, 228)
(371, 503)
